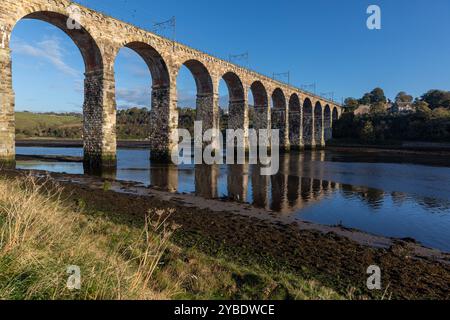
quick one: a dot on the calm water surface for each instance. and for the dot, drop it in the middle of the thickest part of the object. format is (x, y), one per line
(394, 196)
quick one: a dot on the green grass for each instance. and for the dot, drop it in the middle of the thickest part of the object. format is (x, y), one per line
(27, 119)
(70, 126)
(43, 125)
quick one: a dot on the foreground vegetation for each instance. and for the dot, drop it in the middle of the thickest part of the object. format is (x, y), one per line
(41, 234)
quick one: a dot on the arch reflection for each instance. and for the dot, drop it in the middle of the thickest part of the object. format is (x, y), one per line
(164, 176)
(260, 187)
(237, 182)
(206, 179)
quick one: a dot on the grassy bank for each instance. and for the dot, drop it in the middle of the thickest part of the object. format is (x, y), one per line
(35, 125)
(42, 233)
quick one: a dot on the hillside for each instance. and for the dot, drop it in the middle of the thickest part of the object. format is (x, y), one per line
(131, 124)
(42, 125)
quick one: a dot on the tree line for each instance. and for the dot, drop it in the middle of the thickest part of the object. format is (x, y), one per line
(427, 118)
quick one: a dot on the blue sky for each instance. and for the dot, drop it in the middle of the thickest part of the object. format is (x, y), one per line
(322, 41)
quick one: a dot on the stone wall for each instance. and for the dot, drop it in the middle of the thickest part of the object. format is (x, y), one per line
(295, 130)
(7, 122)
(327, 124)
(262, 118)
(163, 120)
(238, 119)
(99, 120)
(319, 138)
(308, 130)
(279, 121)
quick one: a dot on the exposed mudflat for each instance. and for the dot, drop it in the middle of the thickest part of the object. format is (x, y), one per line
(336, 256)
(49, 158)
(435, 149)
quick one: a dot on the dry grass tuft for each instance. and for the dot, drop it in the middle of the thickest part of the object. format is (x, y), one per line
(40, 237)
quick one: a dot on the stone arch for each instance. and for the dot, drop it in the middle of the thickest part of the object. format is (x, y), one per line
(260, 97)
(308, 123)
(235, 86)
(154, 61)
(295, 122)
(207, 103)
(237, 108)
(202, 77)
(335, 115)
(278, 99)
(99, 102)
(82, 38)
(164, 113)
(318, 124)
(294, 103)
(279, 117)
(328, 134)
(261, 118)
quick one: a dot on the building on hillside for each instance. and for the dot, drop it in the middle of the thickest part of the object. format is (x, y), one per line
(402, 107)
(362, 109)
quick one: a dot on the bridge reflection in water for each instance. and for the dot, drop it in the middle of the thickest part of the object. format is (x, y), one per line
(290, 190)
(296, 186)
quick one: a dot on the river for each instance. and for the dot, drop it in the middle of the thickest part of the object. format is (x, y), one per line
(405, 196)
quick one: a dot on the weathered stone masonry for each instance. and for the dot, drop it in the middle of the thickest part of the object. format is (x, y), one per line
(7, 124)
(99, 114)
(101, 37)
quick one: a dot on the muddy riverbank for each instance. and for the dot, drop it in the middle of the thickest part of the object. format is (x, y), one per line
(61, 143)
(430, 148)
(48, 158)
(335, 256)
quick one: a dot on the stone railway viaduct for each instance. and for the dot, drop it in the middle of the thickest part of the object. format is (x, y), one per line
(304, 119)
